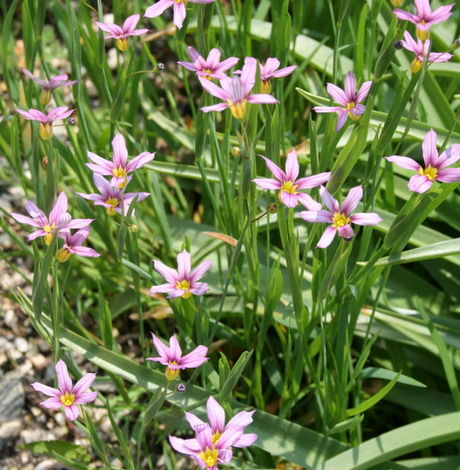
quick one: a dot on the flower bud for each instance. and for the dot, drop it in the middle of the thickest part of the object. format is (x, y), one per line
(45, 97)
(236, 152)
(181, 387)
(44, 163)
(272, 208)
(398, 45)
(133, 228)
(63, 255)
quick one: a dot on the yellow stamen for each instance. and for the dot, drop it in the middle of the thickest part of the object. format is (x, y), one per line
(185, 285)
(208, 73)
(120, 172)
(266, 86)
(339, 220)
(172, 374)
(397, 3)
(67, 399)
(45, 131)
(63, 255)
(430, 172)
(122, 44)
(238, 110)
(112, 202)
(289, 187)
(215, 437)
(209, 456)
(422, 34)
(45, 97)
(49, 233)
(351, 115)
(416, 65)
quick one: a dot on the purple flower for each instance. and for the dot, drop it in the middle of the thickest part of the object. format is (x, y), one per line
(183, 282)
(235, 92)
(349, 99)
(179, 9)
(339, 216)
(122, 33)
(73, 245)
(271, 70)
(119, 168)
(213, 442)
(113, 199)
(172, 358)
(435, 165)
(216, 418)
(288, 185)
(421, 51)
(46, 120)
(425, 17)
(67, 395)
(58, 221)
(211, 67)
(48, 87)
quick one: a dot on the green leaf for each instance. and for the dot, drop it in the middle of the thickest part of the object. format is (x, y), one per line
(64, 449)
(385, 374)
(401, 441)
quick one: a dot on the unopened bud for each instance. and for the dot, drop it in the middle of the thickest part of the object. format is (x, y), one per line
(44, 163)
(398, 45)
(181, 387)
(161, 66)
(272, 208)
(72, 121)
(236, 152)
(133, 228)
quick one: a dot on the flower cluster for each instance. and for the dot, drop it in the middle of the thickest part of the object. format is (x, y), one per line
(112, 194)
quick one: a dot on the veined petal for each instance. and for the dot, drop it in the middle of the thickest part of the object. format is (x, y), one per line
(83, 384)
(246, 440)
(59, 208)
(267, 183)
(184, 446)
(241, 419)
(341, 120)
(337, 94)
(276, 171)
(161, 348)
(130, 23)
(25, 220)
(72, 412)
(140, 161)
(317, 216)
(214, 107)
(346, 232)
(448, 157)
(49, 391)
(120, 152)
(193, 420)
(51, 403)
(363, 91)
(308, 202)
(200, 271)
(350, 86)
(262, 98)
(292, 166)
(63, 377)
(419, 184)
(331, 202)
(216, 415)
(158, 8)
(288, 199)
(448, 175)
(405, 15)
(179, 14)
(213, 89)
(327, 109)
(170, 274)
(184, 261)
(161, 289)
(430, 152)
(352, 200)
(175, 351)
(313, 181)
(195, 358)
(404, 162)
(84, 398)
(366, 218)
(327, 237)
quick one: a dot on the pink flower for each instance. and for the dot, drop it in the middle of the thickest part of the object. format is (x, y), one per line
(183, 282)
(48, 86)
(425, 17)
(58, 221)
(235, 92)
(213, 442)
(288, 185)
(122, 33)
(216, 418)
(179, 9)
(67, 395)
(73, 245)
(172, 358)
(339, 216)
(46, 120)
(211, 67)
(271, 70)
(435, 165)
(119, 168)
(421, 51)
(349, 99)
(113, 199)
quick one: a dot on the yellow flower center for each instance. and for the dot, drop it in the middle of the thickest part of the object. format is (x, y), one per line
(339, 220)
(209, 456)
(215, 437)
(208, 73)
(122, 44)
(238, 110)
(63, 255)
(172, 374)
(112, 202)
(45, 131)
(49, 233)
(67, 399)
(351, 115)
(185, 285)
(289, 187)
(119, 172)
(430, 172)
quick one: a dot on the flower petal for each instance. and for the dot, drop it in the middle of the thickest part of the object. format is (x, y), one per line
(200, 271)
(430, 152)
(419, 184)
(83, 384)
(216, 415)
(158, 8)
(352, 200)
(327, 237)
(366, 218)
(404, 162)
(63, 377)
(72, 412)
